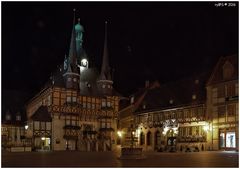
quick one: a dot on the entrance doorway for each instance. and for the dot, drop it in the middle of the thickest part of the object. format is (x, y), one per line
(171, 141)
(227, 139)
(46, 141)
(42, 143)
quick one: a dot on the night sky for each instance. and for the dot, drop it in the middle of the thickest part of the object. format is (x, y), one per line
(146, 40)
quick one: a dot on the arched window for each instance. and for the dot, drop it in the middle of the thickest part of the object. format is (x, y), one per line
(149, 138)
(142, 138)
(157, 138)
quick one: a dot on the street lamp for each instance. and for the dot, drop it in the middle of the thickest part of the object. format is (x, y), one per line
(119, 133)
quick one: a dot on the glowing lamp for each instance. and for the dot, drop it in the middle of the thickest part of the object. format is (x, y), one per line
(84, 62)
(26, 127)
(205, 128)
(119, 133)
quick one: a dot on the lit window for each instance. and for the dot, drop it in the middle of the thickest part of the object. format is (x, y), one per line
(93, 106)
(108, 104)
(84, 105)
(103, 86)
(8, 116)
(109, 86)
(68, 99)
(132, 100)
(74, 79)
(194, 97)
(18, 118)
(103, 103)
(231, 139)
(74, 99)
(69, 79)
(88, 105)
(171, 101)
(49, 100)
(144, 106)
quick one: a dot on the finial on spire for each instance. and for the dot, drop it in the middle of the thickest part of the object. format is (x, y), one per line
(74, 10)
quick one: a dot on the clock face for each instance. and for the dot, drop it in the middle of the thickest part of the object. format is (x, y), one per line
(84, 62)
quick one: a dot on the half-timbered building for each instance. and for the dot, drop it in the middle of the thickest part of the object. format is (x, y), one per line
(222, 104)
(77, 108)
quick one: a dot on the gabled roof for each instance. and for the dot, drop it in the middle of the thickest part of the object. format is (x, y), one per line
(174, 94)
(217, 74)
(42, 114)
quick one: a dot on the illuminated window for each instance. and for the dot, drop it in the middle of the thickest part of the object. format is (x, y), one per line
(231, 140)
(84, 105)
(74, 99)
(222, 139)
(194, 97)
(74, 79)
(18, 118)
(108, 104)
(8, 116)
(132, 100)
(88, 105)
(109, 86)
(103, 86)
(103, 103)
(68, 99)
(42, 124)
(171, 101)
(49, 100)
(69, 79)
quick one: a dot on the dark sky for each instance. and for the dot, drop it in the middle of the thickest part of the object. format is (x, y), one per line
(146, 40)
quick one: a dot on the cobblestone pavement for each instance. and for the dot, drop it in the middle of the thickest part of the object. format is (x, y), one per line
(111, 159)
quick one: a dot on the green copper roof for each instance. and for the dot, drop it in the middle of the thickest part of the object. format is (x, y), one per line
(79, 27)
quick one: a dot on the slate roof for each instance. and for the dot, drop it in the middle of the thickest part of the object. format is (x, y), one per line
(88, 81)
(180, 92)
(217, 75)
(41, 114)
(12, 102)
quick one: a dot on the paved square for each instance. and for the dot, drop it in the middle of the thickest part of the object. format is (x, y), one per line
(110, 159)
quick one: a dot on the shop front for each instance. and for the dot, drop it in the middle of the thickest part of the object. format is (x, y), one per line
(227, 139)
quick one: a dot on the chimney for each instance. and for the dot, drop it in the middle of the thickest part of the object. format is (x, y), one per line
(146, 83)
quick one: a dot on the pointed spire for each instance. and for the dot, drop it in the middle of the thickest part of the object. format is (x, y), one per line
(73, 49)
(105, 70)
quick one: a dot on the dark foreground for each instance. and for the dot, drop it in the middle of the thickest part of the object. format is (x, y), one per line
(110, 159)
